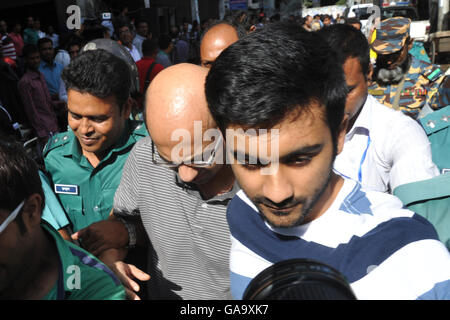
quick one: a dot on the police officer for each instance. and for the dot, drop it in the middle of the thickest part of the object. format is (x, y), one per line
(85, 163)
(401, 81)
(437, 128)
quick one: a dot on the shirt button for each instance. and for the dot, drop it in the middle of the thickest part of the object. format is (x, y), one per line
(96, 208)
(204, 205)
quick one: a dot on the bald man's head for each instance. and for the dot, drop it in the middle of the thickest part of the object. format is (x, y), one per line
(177, 116)
(215, 40)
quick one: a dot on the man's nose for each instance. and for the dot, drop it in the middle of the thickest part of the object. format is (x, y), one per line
(277, 187)
(85, 127)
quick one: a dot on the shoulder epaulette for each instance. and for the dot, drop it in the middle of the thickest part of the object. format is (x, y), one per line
(56, 141)
(436, 120)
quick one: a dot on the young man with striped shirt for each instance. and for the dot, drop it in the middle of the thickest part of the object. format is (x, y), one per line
(289, 84)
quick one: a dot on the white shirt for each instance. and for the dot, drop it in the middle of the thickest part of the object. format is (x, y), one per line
(134, 53)
(63, 58)
(137, 41)
(385, 149)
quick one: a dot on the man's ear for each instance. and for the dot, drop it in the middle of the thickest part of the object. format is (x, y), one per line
(369, 73)
(127, 107)
(32, 211)
(342, 131)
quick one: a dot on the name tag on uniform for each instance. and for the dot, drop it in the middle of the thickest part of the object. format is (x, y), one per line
(66, 189)
(376, 92)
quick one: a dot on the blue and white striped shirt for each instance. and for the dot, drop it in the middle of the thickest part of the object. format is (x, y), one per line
(383, 250)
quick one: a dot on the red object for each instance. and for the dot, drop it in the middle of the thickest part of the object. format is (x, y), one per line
(143, 66)
(10, 61)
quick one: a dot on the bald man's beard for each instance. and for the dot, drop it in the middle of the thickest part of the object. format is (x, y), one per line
(394, 76)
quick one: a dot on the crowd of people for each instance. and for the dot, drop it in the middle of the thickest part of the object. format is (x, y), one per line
(113, 191)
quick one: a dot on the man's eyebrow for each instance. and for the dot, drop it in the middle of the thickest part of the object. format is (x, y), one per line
(238, 155)
(100, 116)
(305, 150)
(75, 114)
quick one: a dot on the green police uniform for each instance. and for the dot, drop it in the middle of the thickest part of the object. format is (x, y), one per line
(87, 193)
(81, 275)
(431, 199)
(437, 126)
(53, 213)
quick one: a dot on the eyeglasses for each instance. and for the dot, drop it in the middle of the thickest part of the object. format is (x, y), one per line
(165, 163)
(383, 59)
(11, 217)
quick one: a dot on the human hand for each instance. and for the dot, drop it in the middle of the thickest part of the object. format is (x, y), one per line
(126, 273)
(102, 235)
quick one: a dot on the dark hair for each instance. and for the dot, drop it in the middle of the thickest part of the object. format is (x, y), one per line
(93, 31)
(42, 41)
(100, 74)
(347, 42)
(149, 47)
(72, 43)
(139, 21)
(353, 21)
(123, 24)
(264, 77)
(29, 49)
(19, 175)
(243, 21)
(164, 41)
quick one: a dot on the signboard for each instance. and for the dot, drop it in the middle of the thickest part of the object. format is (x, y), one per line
(238, 5)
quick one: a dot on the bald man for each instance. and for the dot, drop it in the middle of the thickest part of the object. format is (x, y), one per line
(216, 39)
(173, 195)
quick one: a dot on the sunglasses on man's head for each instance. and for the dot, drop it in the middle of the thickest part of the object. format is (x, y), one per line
(11, 217)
